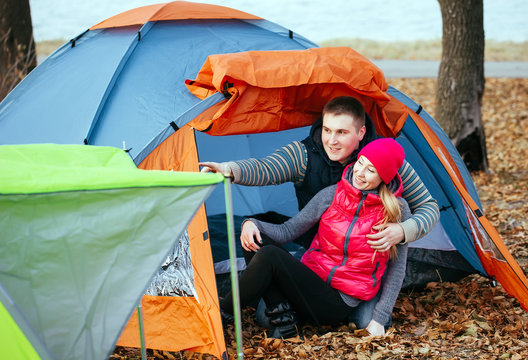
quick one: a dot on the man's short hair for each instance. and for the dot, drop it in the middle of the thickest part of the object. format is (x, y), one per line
(346, 105)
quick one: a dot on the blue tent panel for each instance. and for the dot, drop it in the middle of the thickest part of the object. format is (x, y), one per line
(435, 177)
(249, 200)
(74, 77)
(127, 87)
(470, 185)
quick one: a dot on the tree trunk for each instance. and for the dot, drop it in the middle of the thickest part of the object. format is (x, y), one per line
(461, 79)
(17, 48)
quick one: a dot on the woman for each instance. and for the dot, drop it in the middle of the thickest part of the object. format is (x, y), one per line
(340, 272)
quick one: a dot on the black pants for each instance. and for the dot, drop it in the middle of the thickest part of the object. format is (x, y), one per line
(275, 275)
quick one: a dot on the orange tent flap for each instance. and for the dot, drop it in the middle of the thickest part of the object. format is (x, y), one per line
(188, 327)
(176, 10)
(277, 90)
(285, 68)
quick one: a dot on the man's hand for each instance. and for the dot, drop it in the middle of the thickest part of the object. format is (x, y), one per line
(383, 240)
(249, 233)
(375, 328)
(215, 167)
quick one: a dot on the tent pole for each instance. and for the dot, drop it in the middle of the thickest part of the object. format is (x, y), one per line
(233, 265)
(141, 332)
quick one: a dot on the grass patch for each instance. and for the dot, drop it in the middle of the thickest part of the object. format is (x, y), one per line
(45, 48)
(428, 49)
(397, 50)
(394, 50)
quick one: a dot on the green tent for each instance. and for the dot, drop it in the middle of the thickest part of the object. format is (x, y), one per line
(82, 232)
(17, 340)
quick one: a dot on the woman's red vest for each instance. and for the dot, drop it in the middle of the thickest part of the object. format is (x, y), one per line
(339, 253)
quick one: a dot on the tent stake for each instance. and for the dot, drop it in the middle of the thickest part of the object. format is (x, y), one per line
(233, 264)
(141, 333)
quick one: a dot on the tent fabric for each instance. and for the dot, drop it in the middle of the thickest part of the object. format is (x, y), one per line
(455, 163)
(281, 90)
(132, 89)
(34, 174)
(195, 334)
(487, 253)
(13, 343)
(76, 258)
(124, 87)
(439, 165)
(176, 10)
(181, 155)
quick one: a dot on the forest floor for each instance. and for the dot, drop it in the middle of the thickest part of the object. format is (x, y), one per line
(468, 319)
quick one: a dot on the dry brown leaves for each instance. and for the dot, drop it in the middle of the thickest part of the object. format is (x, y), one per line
(465, 320)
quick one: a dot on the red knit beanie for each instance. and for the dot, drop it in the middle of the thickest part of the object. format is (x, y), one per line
(386, 155)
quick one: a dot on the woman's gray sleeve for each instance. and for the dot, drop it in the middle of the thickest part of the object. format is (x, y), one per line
(393, 278)
(303, 221)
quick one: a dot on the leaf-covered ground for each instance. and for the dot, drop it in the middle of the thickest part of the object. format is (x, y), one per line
(465, 320)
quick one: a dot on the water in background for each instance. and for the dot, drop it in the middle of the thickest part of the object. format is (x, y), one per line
(389, 20)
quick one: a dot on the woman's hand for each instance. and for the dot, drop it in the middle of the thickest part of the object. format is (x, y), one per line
(250, 233)
(375, 328)
(383, 240)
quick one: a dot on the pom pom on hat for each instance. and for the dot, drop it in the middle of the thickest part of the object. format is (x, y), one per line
(386, 155)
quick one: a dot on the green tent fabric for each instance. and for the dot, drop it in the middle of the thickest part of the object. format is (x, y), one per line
(13, 342)
(82, 232)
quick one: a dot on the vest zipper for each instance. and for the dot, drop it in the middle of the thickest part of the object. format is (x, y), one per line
(347, 240)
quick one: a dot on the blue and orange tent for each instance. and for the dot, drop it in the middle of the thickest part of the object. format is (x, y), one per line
(181, 82)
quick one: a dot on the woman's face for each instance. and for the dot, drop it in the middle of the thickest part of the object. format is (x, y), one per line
(365, 176)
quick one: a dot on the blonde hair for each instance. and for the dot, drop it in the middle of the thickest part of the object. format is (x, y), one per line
(391, 212)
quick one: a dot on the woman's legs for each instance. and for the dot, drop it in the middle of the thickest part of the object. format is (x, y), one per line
(257, 279)
(272, 294)
(273, 267)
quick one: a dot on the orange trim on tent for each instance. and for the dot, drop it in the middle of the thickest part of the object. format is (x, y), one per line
(506, 270)
(162, 319)
(179, 323)
(275, 90)
(176, 10)
(438, 147)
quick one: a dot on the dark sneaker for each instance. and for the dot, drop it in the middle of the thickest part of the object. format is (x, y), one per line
(226, 318)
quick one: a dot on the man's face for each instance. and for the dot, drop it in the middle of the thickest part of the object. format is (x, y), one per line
(340, 137)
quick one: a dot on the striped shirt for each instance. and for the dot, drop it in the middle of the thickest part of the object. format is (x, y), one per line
(288, 164)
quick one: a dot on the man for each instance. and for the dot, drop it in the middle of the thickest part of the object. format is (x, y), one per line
(319, 160)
